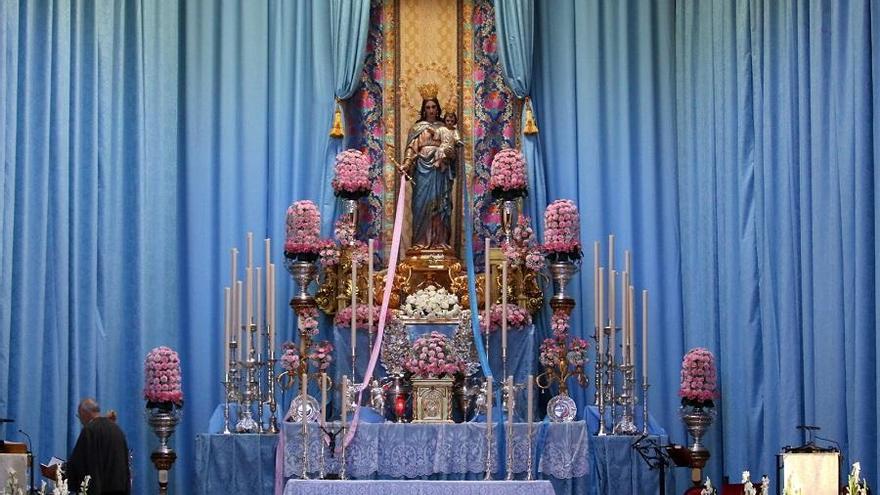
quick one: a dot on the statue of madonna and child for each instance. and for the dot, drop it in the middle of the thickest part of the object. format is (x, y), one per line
(431, 159)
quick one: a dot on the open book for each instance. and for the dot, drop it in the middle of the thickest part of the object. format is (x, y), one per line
(49, 469)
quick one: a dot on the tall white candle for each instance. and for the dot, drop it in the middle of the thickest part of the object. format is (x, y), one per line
(344, 400)
(601, 311)
(267, 244)
(611, 275)
(612, 285)
(304, 387)
(596, 322)
(644, 336)
(489, 398)
(624, 316)
(487, 290)
(259, 304)
(227, 327)
(270, 308)
(249, 304)
(250, 275)
(233, 268)
(503, 307)
(530, 398)
(239, 324)
(323, 396)
(370, 285)
(510, 401)
(627, 260)
(353, 306)
(632, 324)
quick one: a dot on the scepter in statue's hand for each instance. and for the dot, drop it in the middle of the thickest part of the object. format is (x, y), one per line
(398, 166)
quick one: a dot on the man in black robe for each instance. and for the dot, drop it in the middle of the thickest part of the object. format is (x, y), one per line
(101, 452)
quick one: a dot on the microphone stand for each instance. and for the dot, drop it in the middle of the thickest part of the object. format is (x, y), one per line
(30, 461)
(654, 456)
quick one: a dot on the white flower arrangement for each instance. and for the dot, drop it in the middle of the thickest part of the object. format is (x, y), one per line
(431, 303)
(12, 487)
(855, 484)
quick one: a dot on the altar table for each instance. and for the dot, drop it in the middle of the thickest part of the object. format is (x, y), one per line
(417, 487)
(246, 464)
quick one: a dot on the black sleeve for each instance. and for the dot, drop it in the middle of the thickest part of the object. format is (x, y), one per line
(77, 465)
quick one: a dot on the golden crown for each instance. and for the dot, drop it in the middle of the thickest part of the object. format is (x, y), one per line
(429, 91)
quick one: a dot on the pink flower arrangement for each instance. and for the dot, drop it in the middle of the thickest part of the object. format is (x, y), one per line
(698, 378)
(433, 357)
(162, 378)
(522, 250)
(303, 230)
(559, 322)
(507, 179)
(308, 324)
(321, 355)
(562, 347)
(352, 179)
(517, 317)
(343, 230)
(562, 230)
(552, 351)
(290, 358)
(328, 253)
(362, 317)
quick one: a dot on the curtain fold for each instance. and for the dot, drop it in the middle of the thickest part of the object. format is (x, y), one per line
(515, 25)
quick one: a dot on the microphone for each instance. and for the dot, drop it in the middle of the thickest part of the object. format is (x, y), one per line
(30, 455)
(7, 420)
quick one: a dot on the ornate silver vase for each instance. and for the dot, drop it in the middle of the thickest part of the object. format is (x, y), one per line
(562, 272)
(163, 421)
(303, 273)
(508, 218)
(697, 420)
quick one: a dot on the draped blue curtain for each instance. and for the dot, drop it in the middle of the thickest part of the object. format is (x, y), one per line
(515, 23)
(141, 141)
(731, 145)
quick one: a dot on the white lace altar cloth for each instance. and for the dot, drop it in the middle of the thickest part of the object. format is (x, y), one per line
(416, 450)
(417, 487)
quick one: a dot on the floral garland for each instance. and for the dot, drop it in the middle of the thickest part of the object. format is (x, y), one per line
(522, 251)
(562, 347)
(517, 317)
(433, 357)
(362, 317)
(507, 179)
(352, 177)
(698, 378)
(319, 355)
(562, 231)
(308, 324)
(431, 303)
(290, 358)
(303, 231)
(162, 378)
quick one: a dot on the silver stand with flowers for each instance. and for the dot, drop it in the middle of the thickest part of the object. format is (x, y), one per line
(698, 380)
(507, 183)
(164, 396)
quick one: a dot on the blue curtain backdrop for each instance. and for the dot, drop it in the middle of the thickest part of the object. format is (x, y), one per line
(141, 141)
(730, 145)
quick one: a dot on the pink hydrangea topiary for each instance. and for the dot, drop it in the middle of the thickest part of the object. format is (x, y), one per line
(507, 179)
(162, 378)
(562, 230)
(433, 357)
(698, 378)
(303, 231)
(352, 179)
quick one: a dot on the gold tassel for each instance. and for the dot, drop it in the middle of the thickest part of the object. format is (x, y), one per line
(530, 127)
(336, 130)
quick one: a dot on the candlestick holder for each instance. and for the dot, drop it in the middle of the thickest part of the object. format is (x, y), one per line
(270, 385)
(627, 399)
(510, 401)
(342, 471)
(246, 423)
(489, 445)
(597, 367)
(645, 408)
(529, 461)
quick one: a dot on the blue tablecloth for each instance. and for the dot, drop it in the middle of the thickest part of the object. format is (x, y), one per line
(411, 450)
(235, 464)
(246, 464)
(417, 487)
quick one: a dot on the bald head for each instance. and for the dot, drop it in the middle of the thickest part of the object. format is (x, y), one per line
(88, 410)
